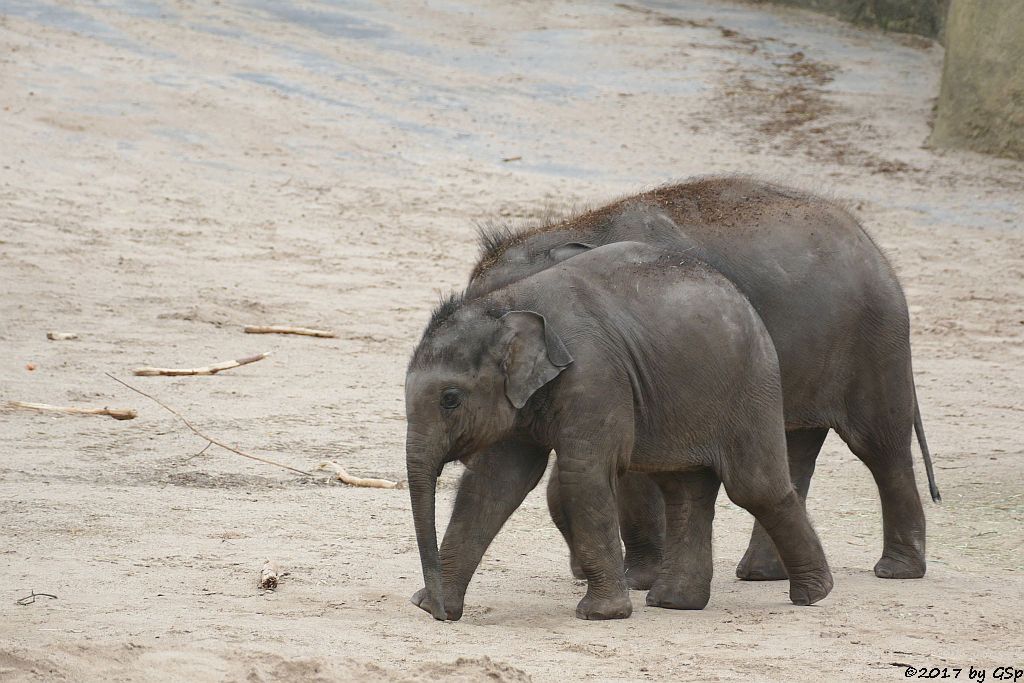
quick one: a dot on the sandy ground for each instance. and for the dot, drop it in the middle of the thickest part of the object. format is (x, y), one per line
(171, 171)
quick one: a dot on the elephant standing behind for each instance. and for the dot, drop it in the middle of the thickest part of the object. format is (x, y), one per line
(835, 312)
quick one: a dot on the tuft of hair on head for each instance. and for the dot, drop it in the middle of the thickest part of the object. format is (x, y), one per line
(445, 309)
(493, 238)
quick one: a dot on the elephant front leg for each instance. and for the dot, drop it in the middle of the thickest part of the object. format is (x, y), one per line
(684, 580)
(494, 484)
(588, 501)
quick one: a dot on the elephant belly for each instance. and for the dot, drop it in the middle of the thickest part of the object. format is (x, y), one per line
(652, 454)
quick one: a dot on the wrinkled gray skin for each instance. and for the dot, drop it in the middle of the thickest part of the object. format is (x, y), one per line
(622, 358)
(838, 320)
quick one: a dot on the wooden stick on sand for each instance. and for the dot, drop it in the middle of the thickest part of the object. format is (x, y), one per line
(208, 370)
(116, 413)
(344, 477)
(285, 329)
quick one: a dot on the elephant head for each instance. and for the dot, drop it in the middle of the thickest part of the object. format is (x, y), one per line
(469, 376)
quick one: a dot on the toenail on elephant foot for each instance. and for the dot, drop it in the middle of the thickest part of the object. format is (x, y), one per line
(761, 566)
(593, 609)
(900, 568)
(679, 598)
(422, 599)
(807, 590)
(641, 578)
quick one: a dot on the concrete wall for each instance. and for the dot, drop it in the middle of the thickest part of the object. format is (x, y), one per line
(924, 17)
(981, 102)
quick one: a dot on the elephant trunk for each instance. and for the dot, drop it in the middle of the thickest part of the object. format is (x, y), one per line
(423, 471)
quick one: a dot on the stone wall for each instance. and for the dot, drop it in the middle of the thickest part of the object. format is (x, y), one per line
(981, 102)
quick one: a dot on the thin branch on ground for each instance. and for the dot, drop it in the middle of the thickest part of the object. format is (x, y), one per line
(205, 370)
(31, 597)
(196, 455)
(215, 442)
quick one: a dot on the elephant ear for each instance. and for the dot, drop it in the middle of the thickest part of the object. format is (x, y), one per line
(534, 355)
(568, 250)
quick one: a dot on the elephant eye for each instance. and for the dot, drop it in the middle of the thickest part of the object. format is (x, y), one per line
(450, 399)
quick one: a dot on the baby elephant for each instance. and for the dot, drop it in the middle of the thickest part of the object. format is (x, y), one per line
(623, 358)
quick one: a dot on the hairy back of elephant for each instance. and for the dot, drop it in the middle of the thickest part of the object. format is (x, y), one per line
(812, 273)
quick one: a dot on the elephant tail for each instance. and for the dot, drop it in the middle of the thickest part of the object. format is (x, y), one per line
(923, 443)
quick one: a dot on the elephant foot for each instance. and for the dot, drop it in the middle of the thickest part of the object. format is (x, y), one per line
(452, 607)
(811, 587)
(690, 596)
(761, 564)
(641, 577)
(591, 608)
(893, 566)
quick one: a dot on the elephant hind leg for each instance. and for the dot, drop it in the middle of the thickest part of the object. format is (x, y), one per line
(785, 520)
(761, 562)
(903, 524)
(757, 479)
(684, 580)
(878, 429)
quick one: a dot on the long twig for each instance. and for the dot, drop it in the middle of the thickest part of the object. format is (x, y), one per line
(206, 370)
(116, 413)
(285, 329)
(215, 442)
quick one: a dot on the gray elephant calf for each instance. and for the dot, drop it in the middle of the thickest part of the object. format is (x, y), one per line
(626, 357)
